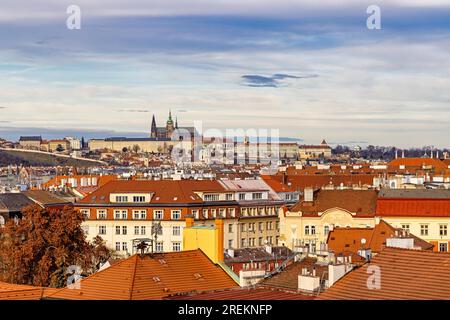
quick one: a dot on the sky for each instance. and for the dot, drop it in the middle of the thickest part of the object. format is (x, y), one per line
(311, 71)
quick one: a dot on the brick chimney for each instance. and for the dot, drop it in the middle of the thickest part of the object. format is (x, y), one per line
(220, 248)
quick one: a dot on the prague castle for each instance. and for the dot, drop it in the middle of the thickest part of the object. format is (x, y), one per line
(161, 139)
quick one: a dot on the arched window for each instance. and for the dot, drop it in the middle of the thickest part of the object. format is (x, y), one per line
(306, 230)
(2, 221)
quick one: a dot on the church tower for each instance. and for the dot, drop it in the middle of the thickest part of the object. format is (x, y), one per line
(153, 131)
(169, 126)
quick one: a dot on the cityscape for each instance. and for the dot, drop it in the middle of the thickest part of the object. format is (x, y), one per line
(203, 189)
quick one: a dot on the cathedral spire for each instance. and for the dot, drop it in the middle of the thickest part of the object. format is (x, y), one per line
(153, 128)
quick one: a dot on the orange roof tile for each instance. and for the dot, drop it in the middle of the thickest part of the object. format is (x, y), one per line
(10, 291)
(413, 207)
(151, 278)
(404, 275)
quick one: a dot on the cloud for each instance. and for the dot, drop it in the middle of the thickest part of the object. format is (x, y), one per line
(273, 81)
(133, 110)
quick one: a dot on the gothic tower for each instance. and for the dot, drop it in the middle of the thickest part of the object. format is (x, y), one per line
(169, 126)
(153, 132)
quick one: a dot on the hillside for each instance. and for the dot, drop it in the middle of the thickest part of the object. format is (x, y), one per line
(15, 157)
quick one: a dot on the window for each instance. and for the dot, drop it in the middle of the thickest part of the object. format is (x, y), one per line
(124, 230)
(243, 227)
(269, 240)
(102, 230)
(269, 225)
(136, 229)
(213, 212)
(176, 230)
(326, 229)
(117, 246)
(243, 243)
(159, 247)
(423, 229)
(261, 226)
(124, 246)
(117, 229)
(230, 243)
(251, 242)
(121, 198)
(442, 229)
(176, 246)
(443, 247)
(241, 196)
(86, 213)
(176, 214)
(205, 213)
(101, 214)
(195, 214)
(229, 196)
(257, 196)
(251, 227)
(405, 227)
(260, 241)
(120, 214)
(232, 212)
(222, 213)
(158, 214)
(212, 197)
(143, 230)
(230, 228)
(313, 229)
(139, 214)
(306, 230)
(138, 198)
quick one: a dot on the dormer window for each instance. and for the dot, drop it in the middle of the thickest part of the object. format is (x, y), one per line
(138, 198)
(212, 197)
(121, 198)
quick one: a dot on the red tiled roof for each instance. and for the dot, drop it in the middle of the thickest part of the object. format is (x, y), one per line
(418, 162)
(244, 294)
(302, 181)
(166, 191)
(404, 275)
(151, 278)
(413, 207)
(10, 291)
(349, 239)
(360, 202)
(276, 185)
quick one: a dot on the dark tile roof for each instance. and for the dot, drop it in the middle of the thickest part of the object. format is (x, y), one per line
(14, 202)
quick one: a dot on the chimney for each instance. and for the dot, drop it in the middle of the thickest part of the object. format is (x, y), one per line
(189, 222)
(308, 194)
(219, 226)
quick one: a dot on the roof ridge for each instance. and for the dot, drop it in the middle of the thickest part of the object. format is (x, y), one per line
(133, 275)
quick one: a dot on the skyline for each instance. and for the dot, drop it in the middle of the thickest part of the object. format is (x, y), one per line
(310, 72)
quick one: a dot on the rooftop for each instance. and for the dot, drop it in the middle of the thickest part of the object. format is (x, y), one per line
(404, 275)
(151, 277)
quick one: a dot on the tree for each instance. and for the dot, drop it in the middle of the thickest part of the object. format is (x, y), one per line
(136, 148)
(39, 248)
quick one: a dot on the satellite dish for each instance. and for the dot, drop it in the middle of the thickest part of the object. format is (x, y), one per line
(363, 241)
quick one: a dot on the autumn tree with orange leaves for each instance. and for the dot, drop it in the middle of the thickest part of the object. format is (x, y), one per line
(39, 248)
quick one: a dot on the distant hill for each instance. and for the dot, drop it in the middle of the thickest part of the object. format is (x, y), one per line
(15, 157)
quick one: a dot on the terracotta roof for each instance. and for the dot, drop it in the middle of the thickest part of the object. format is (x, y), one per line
(244, 294)
(288, 278)
(22, 292)
(165, 191)
(404, 274)
(360, 202)
(413, 207)
(418, 162)
(276, 185)
(151, 278)
(342, 240)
